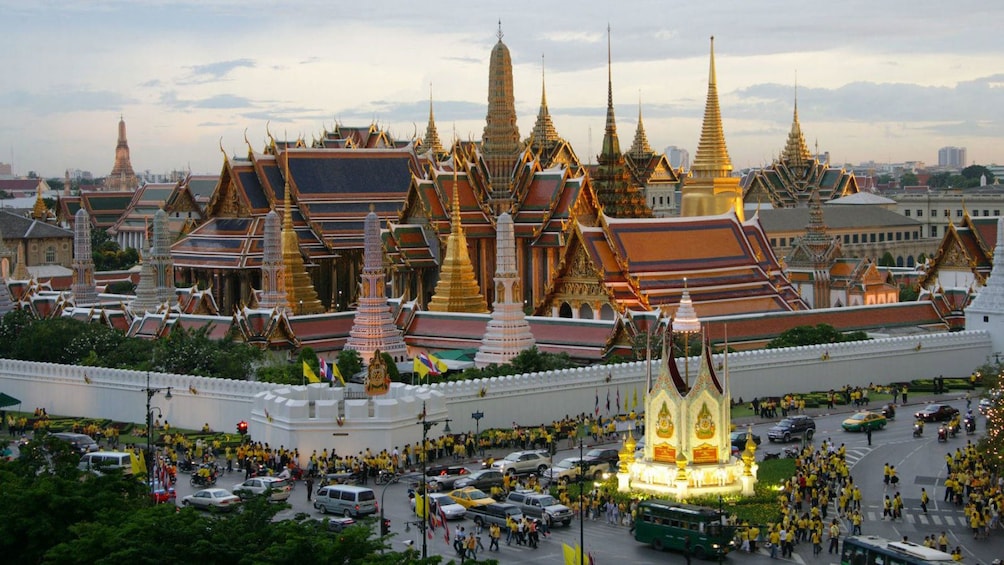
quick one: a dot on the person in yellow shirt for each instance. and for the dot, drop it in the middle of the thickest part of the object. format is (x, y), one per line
(957, 554)
(775, 540)
(924, 499)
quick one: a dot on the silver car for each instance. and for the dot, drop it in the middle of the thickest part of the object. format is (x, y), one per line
(219, 499)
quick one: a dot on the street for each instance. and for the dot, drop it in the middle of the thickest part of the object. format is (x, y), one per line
(920, 462)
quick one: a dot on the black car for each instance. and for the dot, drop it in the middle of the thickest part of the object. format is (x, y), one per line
(609, 456)
(792, 426)
(483, 479)
(937, 413)
(739, 439)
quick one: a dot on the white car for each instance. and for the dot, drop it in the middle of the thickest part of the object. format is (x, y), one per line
(442, 502)
(279, 489)
(219, 499)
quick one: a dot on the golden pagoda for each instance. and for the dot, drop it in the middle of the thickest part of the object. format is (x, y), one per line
(300, 293)
(711, 188)
(40, 212)
(457, 289)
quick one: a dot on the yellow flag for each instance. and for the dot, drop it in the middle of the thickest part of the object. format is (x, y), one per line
(138, 463)
(420, 505)
(572, 556)
(309, 373)
(337, 373)
(634, 401)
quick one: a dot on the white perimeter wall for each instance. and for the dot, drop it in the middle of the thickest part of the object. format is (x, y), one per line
(527, 399)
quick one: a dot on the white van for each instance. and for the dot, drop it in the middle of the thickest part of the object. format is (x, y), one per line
(99, 460)
(346, 500)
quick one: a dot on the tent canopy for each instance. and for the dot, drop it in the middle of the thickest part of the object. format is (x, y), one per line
(8, 400)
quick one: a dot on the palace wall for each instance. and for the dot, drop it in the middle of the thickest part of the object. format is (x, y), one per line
(308, 416)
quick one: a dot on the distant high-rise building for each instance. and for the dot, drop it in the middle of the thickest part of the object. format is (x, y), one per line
(678, 157)
(952, 157)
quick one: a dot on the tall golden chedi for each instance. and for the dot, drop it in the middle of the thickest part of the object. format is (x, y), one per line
(711, 188)
(300, 293)
(615, 188)
(122, 176)
(457, 289)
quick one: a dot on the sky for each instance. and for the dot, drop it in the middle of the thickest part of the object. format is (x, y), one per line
(885, 81)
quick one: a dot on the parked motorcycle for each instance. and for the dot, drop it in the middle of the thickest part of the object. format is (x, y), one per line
(387, 477)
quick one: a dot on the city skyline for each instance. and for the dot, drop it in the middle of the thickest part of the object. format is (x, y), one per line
(892, 81)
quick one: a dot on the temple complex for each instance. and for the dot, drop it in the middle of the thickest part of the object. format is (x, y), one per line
(431, 145)
(792, 178)
(711, 189)
(122, 177)
(547, 147)
(84, 291)
(457, 290)
(373, 328)
(652, 171)
(507, 333)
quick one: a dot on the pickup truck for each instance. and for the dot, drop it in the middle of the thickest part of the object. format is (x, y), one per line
(567, 470)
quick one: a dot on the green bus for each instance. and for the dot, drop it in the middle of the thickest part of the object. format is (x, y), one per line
(873, 550)
(666, 524)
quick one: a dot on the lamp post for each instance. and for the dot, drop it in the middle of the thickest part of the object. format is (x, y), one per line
(721, 529)
(477, 430)
(426, 424)
(581, 433)
(150, 391)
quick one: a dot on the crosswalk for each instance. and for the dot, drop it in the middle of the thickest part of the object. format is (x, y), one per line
(920, 519)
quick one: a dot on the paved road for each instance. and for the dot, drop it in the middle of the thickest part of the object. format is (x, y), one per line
(920, 462)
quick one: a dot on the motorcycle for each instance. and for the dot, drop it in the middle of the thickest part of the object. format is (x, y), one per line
(791, 453)
(942, 434)
(970, 426)
(204, 482)
(918, 429)
(387, 477)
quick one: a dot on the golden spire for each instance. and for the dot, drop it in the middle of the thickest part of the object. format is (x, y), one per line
(543, 130)
(40, 211)
(500, 142)
(711, 188)
(611, 145)
(457, 289)
(300, 293)
(431, 141)
(796, 152)
(640, 149)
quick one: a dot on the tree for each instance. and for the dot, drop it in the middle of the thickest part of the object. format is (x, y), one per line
(349, 363)
(938, 180)
(908, 178)
(993, 442)
(887, 260)
(809, 335)
(974, 172)
(908, 293)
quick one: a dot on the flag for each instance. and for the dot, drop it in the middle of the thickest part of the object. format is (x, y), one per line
(309, 373)
(334, 371)
(420, 505)
(596, 408)
(322, 367)
(137, 462)
(608, 401)
(427, 364)
(591, 560)
(634, 402)
(87, 379)
(446, 528)
(573, 556)
(192, 390)
(618, 400)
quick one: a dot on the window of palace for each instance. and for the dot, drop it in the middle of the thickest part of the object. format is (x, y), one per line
(958, 213)
(920, 213)
(907, 211)
(50, 255)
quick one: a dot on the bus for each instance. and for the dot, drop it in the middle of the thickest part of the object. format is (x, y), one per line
(873, 550)
(666, 524)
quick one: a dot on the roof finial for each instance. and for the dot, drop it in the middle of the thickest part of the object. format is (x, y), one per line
(610, 73)
(711, 74)
(500, 29)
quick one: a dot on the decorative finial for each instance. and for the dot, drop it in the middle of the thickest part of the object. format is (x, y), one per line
(372, 207)
(500, 30)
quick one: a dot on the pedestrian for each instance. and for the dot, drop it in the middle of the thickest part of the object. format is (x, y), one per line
(310, 487)
(494, 533)
(923, 500)
(904, 392)
(868, 434)
(687, 548)
(834, 537)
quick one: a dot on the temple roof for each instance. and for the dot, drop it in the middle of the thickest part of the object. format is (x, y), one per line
(728, 265)
(968, 245)
(104, 208)
(331, 191)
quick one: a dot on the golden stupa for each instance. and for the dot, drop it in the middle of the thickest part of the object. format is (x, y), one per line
(300, 293)
(711, 189)
(457, 289)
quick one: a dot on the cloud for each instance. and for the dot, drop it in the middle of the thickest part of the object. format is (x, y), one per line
(64, 99)
(152, 83)
(212, 72)
(215, 102)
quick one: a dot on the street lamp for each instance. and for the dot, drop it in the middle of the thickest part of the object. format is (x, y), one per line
(477, 430)
(721, 529)
(150, 391)
(581, 432)
(426, 424)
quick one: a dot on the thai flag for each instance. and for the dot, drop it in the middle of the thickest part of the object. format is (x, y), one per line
(326, 374)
